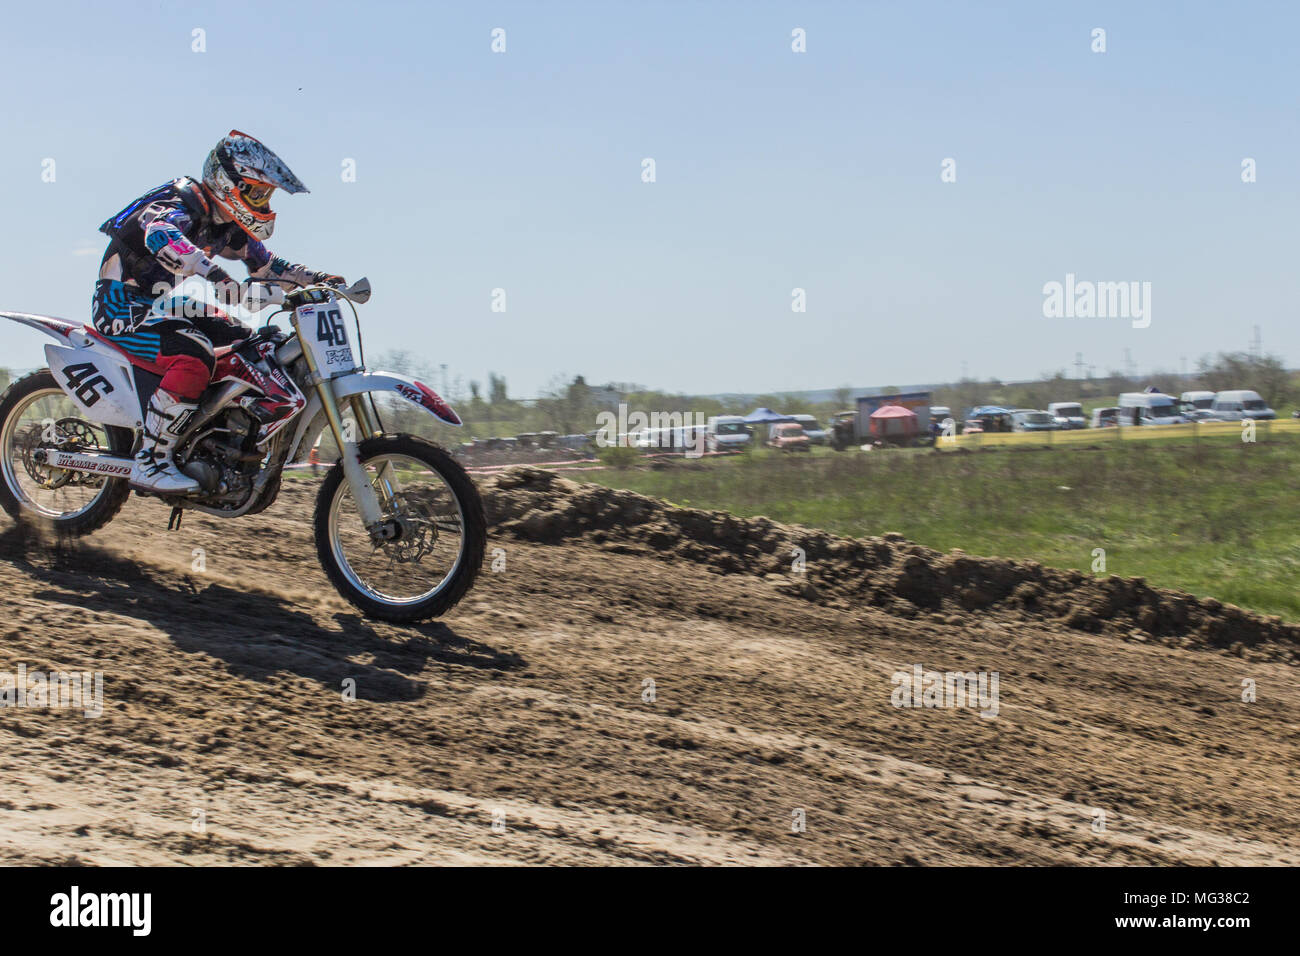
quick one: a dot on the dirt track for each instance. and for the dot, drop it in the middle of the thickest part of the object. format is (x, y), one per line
(772, 694)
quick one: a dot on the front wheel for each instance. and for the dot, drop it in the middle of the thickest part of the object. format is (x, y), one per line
(428, 550)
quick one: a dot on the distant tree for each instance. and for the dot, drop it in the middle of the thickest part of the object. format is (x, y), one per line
(567, 407)
(961, 397)
(1051, 387)
(1264, 374)
(793, 404)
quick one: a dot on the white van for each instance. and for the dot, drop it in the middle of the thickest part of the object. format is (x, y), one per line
(726, 433)
(1149, 408)
(1196, 405)
(1198, 400)
(1233, 406)
(667, 439)
(1067, 414)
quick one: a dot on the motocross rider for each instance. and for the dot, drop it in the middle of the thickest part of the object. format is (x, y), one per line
(159, 240)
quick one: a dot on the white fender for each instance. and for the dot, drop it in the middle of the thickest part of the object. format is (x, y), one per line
(60, 329)
(417, 393)
(358, 383)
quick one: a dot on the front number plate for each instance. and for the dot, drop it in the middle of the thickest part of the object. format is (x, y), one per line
(323, 330)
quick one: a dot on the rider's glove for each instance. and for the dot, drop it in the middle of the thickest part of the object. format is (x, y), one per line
(229, 292)
(328, 278)
(267, 333)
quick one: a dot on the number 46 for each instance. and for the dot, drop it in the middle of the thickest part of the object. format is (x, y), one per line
(85, 380)
(329, 328)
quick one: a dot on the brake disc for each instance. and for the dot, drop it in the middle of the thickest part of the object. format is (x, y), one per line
(411, 533)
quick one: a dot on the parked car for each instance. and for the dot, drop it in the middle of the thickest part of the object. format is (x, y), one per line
(816, 434)
(1193, 402)
(788, 436)
(1032, 420)
(1107, 417)
(1067, 414)
(1149, 408)
(1236, 404)
(726, 433)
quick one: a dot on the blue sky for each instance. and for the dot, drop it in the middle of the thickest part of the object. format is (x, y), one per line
(775, 170)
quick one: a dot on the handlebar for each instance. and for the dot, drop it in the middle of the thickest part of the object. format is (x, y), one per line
(261, 295)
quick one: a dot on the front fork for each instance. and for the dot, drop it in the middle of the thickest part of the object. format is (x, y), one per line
(363, 492)
(369, 426)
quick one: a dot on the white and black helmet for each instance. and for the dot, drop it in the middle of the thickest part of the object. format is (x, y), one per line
(240, 174)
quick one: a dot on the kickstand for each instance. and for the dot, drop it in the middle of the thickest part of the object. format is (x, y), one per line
(174, 522)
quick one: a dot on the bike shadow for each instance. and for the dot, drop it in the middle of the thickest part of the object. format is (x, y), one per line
(256, 635)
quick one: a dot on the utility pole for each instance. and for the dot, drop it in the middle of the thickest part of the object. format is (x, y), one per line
(1256, 345)
(1078, 365)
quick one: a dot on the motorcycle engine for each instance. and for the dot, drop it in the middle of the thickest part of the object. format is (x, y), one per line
(225, 458)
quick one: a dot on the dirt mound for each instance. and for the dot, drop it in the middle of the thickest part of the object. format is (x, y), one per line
(888, 572)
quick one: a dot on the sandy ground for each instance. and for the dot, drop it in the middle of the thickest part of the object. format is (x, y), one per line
(519, 731)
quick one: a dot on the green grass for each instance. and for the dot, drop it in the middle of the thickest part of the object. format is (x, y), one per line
(1217, 517)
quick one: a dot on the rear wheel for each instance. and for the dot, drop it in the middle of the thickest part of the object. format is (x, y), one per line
(433, 537)
(36, 417)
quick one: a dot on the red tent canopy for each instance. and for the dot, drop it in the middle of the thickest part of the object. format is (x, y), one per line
(893, 411)
(894, 422)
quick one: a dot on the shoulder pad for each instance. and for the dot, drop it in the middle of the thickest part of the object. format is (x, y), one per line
(191, 193)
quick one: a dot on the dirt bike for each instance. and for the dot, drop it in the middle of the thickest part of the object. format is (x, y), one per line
(398, 524)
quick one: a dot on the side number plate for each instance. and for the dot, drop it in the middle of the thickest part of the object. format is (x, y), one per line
(86, 382)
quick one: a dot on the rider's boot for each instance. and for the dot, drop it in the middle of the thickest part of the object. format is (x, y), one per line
(154, 468)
